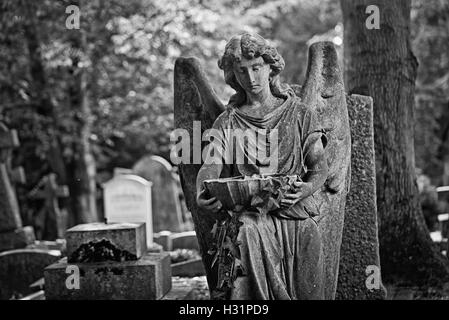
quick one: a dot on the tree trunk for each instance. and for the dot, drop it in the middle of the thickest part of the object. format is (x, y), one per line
(44, 106)
(82, 167)
(443, 150)
(44, 102)
(380, 64)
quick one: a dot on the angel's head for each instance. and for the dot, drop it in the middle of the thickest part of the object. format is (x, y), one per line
(252, 51)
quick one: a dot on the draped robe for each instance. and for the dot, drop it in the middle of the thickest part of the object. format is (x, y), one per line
(281, 251)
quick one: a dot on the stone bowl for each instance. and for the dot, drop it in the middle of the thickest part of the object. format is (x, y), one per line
(239, 191)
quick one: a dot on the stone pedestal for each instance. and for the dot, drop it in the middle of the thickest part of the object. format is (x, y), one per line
(148, 278)
(15, 239)
(108, 261)
(95, 242)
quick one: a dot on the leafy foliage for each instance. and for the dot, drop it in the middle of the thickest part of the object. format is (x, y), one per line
(430, 32)
(128, 60)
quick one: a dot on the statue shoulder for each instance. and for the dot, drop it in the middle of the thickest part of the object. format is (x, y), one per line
(223, 119)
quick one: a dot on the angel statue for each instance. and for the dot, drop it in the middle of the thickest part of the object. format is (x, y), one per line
(269, 222)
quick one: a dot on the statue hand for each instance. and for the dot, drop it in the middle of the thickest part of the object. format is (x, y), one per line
(300, 191)
(212, 204)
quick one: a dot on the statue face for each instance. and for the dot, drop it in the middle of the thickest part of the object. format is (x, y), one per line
(252, 74)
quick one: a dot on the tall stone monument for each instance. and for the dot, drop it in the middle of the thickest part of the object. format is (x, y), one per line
(359, 275)
(323, 96)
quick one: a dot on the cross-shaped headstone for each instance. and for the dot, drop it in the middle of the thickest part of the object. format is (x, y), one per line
(53, 217)
(9, 209)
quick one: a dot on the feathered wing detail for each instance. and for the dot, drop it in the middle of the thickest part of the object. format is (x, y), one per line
(323, 92)
(195, 100)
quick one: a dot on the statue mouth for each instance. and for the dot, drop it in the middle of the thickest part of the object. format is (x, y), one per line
(254, 87)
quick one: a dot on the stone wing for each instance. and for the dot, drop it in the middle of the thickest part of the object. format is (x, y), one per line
(195, 100)
(323, 91)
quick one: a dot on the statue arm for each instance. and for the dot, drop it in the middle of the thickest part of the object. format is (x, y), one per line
(317, 171)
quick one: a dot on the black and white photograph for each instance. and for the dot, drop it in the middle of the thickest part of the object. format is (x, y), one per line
(230, 151)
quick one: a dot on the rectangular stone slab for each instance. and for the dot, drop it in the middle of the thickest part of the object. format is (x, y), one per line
(148, 278)
(123, 241)
(360, 244)
(17, 239)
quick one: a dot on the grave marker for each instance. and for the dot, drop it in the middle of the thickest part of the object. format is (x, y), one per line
(112, 263)
(360, 245)
(54, 219)
(167, 208)
(20, 268)
(12, 233)
(127, 198)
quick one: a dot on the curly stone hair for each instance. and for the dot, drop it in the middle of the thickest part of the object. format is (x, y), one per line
(252, 46)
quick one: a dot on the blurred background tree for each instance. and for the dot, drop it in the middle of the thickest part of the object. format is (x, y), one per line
(430, 34)
(380, 63)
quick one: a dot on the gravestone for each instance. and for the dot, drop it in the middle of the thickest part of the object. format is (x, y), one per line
(113, 263)
(12, 233)
(359, 253)
(127, 198)
(119, 171)
(124, 240)
(167, 208)
(51, 218)
(179, 240)
(21, 267)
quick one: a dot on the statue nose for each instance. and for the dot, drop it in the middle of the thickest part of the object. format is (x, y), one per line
(251, 78)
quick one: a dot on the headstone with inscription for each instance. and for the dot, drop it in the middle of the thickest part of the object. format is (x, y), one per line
(127, 198)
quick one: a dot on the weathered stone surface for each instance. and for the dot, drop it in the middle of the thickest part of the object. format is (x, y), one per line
(179, 240)
(185, 240)
(127, 198)
(148, 278)
(167, 208)
(59, 244)
(9, 209)
(163, 238)
(189, 268)
(323, 92)
(16, 239)
(94, 242)
(195, 100)
(51, 220)
(360, 247)
(20, 268)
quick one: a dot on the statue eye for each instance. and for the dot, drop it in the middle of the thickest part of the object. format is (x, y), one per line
(256, 69)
